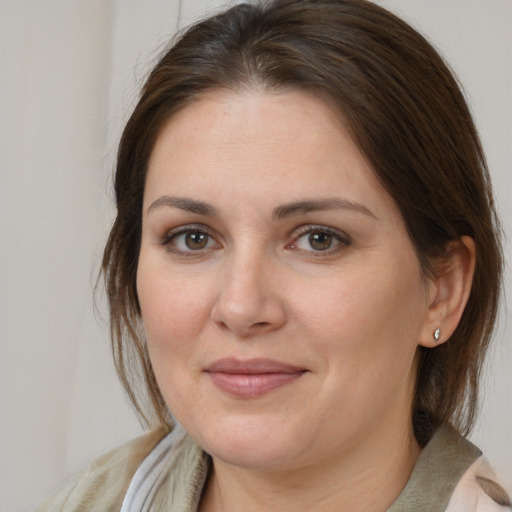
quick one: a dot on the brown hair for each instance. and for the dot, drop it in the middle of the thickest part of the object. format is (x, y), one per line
(407, 114)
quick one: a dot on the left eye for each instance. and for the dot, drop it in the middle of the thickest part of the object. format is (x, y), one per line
(191, 240)
(319, 240)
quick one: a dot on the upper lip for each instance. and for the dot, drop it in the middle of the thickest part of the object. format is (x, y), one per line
(252, 366)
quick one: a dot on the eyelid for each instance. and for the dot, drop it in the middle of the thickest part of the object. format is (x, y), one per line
(167, 239)
(342, 237)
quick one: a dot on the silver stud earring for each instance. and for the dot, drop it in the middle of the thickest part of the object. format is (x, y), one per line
(437, 334)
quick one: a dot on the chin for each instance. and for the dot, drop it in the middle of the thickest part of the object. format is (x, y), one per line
(250, 443)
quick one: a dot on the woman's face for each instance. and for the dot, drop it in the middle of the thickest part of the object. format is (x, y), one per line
(281, 295)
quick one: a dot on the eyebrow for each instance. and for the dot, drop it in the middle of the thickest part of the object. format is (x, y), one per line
(286, 210)
(314, 205)
(186, 204)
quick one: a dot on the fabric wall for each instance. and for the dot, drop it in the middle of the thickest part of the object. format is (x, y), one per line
(69, 74)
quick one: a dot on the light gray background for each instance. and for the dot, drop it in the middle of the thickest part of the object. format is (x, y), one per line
(69, 74)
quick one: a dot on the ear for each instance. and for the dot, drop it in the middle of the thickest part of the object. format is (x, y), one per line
(449, 291)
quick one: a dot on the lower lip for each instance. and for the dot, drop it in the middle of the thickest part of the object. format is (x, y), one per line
(252, 385)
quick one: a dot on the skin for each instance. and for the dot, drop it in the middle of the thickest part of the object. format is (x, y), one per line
(252, 284)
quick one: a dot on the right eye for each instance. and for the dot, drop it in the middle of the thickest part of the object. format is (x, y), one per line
(189, 240)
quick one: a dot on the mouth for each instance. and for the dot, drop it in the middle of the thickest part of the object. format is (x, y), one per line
(252, 378)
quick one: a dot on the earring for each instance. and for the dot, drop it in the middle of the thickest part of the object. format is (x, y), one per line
(437, 334)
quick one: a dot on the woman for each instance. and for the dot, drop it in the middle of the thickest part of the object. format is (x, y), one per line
(303, 274)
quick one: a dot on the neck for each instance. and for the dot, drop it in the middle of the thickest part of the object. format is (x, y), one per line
(369, 477)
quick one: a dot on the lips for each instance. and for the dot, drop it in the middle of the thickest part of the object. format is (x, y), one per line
(251, 378)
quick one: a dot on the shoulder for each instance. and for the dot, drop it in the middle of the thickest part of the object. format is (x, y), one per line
(103, 484)
(451, 476)
(479, 490)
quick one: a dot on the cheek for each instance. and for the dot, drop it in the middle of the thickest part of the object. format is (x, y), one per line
(173, 310)
(366, 314)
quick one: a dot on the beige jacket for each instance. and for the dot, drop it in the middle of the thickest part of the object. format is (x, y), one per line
(170, 472)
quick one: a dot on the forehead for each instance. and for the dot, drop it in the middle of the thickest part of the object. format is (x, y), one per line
(260, 144)
(255, 116)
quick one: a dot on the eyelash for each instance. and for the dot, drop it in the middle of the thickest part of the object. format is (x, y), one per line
(343, 240)
(169, 240)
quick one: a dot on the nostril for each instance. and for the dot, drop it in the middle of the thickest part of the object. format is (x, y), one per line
(249, 313)
(261, 324)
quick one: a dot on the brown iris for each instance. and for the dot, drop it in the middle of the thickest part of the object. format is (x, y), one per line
(320, 241)
(196, 240)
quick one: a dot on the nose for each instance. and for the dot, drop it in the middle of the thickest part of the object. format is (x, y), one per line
(249, 302)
